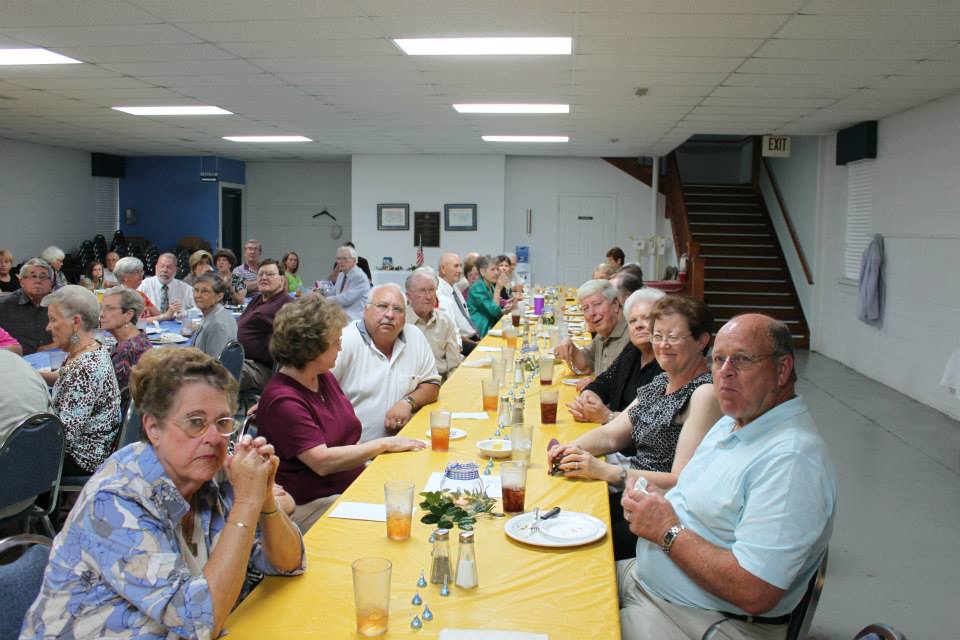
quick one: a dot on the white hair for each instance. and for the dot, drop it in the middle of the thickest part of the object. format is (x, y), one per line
(647, 294)
(421, 272)
(75, 300)
(35, 262)
(52, 254)
(126, 266)
(353, 252)
(592, 287)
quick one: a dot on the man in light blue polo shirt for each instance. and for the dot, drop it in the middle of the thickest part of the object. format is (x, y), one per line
(736, 541)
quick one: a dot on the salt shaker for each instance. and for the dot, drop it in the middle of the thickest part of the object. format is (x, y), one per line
(440, 556)
(466, 562)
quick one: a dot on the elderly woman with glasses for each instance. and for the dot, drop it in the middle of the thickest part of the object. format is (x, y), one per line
(666, 421)
(156, 547)
(218, 326)
(85, 392)
(118, 314)
(129, 272)
(304, 413)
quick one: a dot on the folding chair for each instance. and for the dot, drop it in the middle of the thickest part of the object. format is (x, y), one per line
(20, 581)
(31, 460)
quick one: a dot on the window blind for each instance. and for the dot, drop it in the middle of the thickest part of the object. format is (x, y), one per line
(859, 214)
(107, 202)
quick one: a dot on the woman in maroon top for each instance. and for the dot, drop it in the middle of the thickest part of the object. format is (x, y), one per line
(304, 414)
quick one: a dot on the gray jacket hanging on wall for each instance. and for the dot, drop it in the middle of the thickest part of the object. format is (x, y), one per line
(870, 304)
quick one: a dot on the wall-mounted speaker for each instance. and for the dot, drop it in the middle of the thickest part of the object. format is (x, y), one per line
(857, 142)
(104, 165)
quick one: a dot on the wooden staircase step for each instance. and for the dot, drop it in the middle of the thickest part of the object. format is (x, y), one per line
(752, 263)
(731, 207)
(738, 251)
(755, 238)
(748, 284)
(748, 298)
(732, 227)
(780, 312)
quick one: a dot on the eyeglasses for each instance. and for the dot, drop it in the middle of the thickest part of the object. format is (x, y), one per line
(383, 307)
(658, 338)
(196, 426)
(741, 361)
(204, 290)
(423, 292)
(264, 274)
(36, 276)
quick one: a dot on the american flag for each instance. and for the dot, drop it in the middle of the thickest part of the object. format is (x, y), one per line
(420, 253)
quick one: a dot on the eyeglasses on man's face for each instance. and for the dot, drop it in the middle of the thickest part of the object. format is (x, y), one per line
(36, 276)
(383, 307)
(740, 361)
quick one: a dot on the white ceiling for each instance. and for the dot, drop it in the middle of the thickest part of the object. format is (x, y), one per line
(328, 70)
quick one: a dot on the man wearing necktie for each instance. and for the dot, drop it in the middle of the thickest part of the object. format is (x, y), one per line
(451, 301)
(351, 287)
(170, 295)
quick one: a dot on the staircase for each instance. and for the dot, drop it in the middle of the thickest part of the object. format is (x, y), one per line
(745, 269)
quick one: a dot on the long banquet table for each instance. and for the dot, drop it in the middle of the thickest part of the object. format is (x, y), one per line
(565, 593)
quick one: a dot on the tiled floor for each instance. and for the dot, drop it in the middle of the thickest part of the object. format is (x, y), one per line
(895, 553)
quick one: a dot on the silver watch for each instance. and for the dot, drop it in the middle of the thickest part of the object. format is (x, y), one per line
(670, 537)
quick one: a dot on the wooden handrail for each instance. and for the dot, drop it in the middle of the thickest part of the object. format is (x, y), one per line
(787, 219)
(680, 223)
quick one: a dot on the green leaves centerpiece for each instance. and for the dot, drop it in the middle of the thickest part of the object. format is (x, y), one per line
(445, 509)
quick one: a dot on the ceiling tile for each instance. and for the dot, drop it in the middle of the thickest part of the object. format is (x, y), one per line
(689, 46)
(340, 47)
(56, 13)
(851, 49)
(283, 30)
(146, 53)
(133, 34)
(914, 26)
(678, 25)
(194, 11)
(183, 67)
(692, 6)
(880, 7)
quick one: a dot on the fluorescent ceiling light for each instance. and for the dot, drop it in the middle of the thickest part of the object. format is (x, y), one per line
(33, 56)
(512, 108)
(485, 46)
(175, 111)
(526, 138)
(267, 139)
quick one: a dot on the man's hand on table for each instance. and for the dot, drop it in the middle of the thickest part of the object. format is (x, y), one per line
(397, 416)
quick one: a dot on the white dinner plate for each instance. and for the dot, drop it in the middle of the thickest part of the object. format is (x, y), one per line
(168, 338)
(455, 434)
(567, 529)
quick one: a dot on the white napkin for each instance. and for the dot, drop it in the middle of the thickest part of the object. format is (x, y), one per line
(487, 349)
(491, 485)
(360, 511)
(479, 362)
(469, 415)
(486, 634)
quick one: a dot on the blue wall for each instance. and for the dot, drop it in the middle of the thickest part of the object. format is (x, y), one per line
(170, 200)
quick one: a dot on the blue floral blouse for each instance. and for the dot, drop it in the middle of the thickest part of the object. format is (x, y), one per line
(116, 569)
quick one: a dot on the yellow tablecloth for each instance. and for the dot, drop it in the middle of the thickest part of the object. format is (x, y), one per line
(566, 593)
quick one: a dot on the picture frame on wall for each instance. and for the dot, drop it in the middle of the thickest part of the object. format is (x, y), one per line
(460, 217)
(393, 217)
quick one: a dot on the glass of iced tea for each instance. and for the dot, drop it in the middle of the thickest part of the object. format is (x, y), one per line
(371, 595)
(513, 481)
(549, 399)
(515, 316)
(490, 388)
(440, 430)
(510, 335)
(398, 499)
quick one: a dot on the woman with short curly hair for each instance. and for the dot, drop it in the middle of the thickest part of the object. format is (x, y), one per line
(306, 416)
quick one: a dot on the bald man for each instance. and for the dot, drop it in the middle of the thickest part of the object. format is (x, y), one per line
(450, 269)
(734, 544)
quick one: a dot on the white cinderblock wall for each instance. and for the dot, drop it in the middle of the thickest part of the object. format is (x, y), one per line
(917, 209)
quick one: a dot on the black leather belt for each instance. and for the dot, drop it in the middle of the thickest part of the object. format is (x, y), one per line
(784, 619)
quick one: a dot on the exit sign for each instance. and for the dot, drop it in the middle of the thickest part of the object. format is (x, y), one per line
(776, 146)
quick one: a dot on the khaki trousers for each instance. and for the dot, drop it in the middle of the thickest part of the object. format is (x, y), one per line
(309, 512)
(643, 616)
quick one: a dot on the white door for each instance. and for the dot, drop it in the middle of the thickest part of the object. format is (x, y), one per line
(584, 236)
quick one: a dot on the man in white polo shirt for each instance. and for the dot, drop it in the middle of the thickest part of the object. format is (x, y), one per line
(169, 295)
(386, 369)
